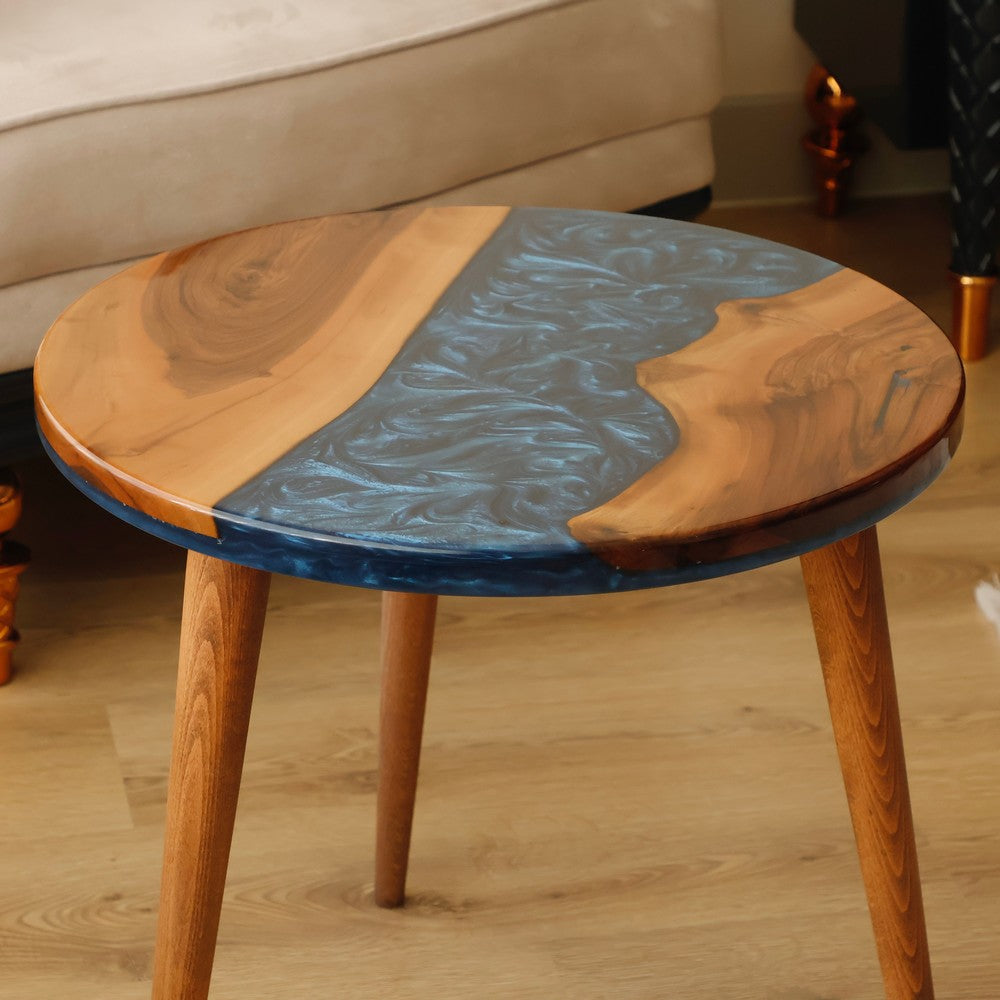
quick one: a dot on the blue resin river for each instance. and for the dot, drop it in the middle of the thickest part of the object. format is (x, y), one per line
(521, 384)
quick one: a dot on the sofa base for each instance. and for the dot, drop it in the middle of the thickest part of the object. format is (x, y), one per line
(18, 435)
(618, 174)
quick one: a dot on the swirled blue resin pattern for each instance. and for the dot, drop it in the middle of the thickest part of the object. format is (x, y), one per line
(514, 406)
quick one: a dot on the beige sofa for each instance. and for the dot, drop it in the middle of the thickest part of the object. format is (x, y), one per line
(132, 126)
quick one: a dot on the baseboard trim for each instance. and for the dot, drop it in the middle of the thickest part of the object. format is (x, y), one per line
(760, 160)
(683, 206)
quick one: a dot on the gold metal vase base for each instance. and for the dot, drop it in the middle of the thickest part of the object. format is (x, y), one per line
(970, 323)
(13, 562)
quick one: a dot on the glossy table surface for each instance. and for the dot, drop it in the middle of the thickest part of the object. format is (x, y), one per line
(497, 401)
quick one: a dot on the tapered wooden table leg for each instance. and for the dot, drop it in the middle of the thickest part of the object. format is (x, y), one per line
(407, 639)
(844, 583)
(224, 609)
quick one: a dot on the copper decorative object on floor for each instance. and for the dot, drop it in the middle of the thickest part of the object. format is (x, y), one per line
(13, 562)
(835, 143)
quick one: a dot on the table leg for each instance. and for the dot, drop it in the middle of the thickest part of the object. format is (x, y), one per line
(844, 584)
(223, 620)
(407, 639)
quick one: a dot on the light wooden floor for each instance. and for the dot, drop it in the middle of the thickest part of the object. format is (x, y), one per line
(632, 796)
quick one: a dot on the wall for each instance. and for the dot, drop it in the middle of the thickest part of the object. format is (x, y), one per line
(759, 125)
(762, 55)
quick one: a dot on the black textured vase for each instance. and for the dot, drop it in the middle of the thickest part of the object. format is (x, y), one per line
(974, 126)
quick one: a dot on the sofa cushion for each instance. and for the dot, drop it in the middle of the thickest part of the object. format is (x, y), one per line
(101, 53)
(128, 127)
(675, 157)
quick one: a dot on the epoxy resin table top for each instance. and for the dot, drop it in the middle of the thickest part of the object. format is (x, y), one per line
(493, 400)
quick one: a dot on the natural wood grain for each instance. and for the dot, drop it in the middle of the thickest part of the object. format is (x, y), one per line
(844, 584)
(789, 403)
(291, 303)
(224, 608)
(407, 641)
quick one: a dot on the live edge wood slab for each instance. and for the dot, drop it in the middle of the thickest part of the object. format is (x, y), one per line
(499, 401)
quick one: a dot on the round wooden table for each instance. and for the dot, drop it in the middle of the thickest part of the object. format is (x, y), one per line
(507, 402)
